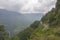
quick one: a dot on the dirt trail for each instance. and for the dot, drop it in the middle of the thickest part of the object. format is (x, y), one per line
(45, 26)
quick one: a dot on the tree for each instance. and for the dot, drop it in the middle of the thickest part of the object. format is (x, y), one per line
(4, 35)
(35, 24)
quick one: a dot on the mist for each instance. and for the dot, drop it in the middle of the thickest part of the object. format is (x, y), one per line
(28, 6)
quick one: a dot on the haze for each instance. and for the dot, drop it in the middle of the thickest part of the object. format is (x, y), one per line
(28, 6)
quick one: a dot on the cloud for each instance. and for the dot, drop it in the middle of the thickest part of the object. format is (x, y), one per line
(28, 6)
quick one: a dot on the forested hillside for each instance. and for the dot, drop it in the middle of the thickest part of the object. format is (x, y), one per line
(51, 26)
(53, 17)
(48, 28)
(4, 34)
(23, 35)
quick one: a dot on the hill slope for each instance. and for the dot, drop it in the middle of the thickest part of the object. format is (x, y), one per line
(51, 26)
(48, 28)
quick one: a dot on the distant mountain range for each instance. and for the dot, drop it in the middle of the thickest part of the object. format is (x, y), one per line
(15, 21)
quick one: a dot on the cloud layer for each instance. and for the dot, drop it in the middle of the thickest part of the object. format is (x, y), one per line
(28, 6)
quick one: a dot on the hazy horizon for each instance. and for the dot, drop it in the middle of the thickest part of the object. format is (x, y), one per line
(28, 6)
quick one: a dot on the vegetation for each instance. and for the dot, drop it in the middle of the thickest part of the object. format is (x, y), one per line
(4, 35)
(53, 17)
(25, 34)
(46, 29)
(52, 32)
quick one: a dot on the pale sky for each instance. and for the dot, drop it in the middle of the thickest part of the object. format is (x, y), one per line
(28, 6)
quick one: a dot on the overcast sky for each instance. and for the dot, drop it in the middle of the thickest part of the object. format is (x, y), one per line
(28, 6)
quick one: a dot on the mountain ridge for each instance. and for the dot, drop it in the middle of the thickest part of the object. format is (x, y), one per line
(16, 21)
(48, 28)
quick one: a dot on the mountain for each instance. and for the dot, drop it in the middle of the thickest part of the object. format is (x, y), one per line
(48, 28)
(15, 22)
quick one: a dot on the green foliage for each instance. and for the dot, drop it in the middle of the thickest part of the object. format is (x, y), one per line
(39, 31)
(53, 17)
(35, 24)
(4, 35)
(25, 34)
(47, 34)
(2, 28)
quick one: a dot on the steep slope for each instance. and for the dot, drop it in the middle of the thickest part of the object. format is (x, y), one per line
(28, 31)
(45, 34)
(52, 19)
(48, 28)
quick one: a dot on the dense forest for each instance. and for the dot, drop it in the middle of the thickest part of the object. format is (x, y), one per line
(48, 28)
